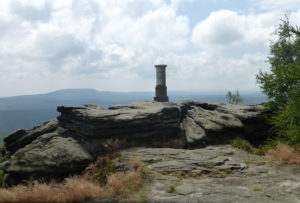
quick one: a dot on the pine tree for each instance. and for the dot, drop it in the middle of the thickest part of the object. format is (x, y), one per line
(282, 83)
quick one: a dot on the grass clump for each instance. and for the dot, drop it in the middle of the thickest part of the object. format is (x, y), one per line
(246, 146)
(124, 183)
(72, 189)
(171, 189)
(137, 164)
(100, 179)
(256, 189)
(284, 154)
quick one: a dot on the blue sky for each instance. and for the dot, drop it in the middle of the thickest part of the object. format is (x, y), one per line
(208, 45)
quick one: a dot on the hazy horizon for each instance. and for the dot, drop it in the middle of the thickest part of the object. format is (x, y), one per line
(29, 110)
(152, 92)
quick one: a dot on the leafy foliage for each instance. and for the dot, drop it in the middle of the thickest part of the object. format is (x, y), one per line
(282, 84)
(286, 122)
(102, 173)
(234, 98)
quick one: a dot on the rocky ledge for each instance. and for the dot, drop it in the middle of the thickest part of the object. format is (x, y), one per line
(215, 174)
(69, 143)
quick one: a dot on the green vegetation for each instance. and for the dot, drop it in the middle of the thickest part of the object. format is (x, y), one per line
(103, 172)
(282, 85)
(1, 142)
(171, 189)
(256, 189)
(129, 182)
(246, 146)
(234, 98)
(1, 177)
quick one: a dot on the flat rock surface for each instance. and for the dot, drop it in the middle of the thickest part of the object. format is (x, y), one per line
(216, 174)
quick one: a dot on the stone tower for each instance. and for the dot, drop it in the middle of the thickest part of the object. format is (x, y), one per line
(161, 88)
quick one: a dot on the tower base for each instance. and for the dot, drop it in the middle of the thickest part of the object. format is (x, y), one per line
(161, 99)
(161, 93)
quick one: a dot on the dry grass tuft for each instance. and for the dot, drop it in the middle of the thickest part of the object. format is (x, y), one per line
(124, 183)
(284, 154)
(76, 189)
(73, 189)
(137, 164)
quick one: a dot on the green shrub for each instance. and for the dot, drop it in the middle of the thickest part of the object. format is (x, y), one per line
(246, 146)
(102, 173)
(287, 122)
(234, 98)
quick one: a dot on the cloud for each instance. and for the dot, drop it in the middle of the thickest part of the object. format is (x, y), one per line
(226, 29)
(113, 45)
(32, 10)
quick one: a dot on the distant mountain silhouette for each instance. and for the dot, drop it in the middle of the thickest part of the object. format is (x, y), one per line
(70, 97)
(29, 110)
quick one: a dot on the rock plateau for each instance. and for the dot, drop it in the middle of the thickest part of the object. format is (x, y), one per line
(68, 144)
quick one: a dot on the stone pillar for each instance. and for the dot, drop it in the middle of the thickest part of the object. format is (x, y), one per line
(161, 88)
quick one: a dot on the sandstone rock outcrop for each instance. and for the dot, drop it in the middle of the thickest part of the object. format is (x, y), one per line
(67, 144)
(215, 174)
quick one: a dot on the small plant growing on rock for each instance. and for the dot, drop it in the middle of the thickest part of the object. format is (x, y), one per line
(124, 183)
(246, 146)
(99, 170)
(111, 146)
(256, 189)
(171, 189)
(71, 190)
(137, 164)
(103, 172)
(285, 154)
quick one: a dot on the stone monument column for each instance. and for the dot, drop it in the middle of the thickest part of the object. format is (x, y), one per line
(161, 88)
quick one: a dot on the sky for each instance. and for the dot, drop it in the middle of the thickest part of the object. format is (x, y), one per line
(113, 45)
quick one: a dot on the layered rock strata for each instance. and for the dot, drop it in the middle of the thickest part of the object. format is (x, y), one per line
(67, 144)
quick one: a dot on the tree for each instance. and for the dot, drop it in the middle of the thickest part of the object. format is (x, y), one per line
(234, 98)
(282, 83)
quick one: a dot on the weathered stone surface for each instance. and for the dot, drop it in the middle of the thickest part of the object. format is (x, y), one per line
(227, 179)
(185, 189)
(49, 154)
(73, 140)
(210, 160)
(21, 138)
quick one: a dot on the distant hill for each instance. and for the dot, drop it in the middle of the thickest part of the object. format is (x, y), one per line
(29, 110)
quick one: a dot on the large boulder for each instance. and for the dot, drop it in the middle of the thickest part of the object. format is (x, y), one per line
(67, 145)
